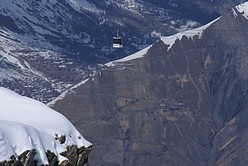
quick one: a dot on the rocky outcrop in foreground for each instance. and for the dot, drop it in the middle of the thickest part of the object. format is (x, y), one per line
(76, 157)
(33, 134)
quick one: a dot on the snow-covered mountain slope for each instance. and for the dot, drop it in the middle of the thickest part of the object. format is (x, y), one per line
(26, 124)
(58, 43)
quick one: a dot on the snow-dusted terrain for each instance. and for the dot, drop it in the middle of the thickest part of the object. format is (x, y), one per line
(83, 4)
(243, 9)
(59, 43)
(168, 40)
(27, 124)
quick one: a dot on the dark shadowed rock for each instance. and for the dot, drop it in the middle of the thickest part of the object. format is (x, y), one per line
(11, 162)
(52, 158)
(27, 157)
(76, 157)
(61, 139)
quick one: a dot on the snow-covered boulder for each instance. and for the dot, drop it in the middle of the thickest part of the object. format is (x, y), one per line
(29, 125)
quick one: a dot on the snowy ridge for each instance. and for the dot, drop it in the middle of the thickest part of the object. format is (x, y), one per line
(136, 55)
(27, 124)
(243, 9)
(139, 54)
(170, 40)
(83, 4)
(60, 97)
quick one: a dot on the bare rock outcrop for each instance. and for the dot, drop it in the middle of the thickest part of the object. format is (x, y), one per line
(76, 157)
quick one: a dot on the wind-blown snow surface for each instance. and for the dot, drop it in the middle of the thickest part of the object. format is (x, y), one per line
(27, 124)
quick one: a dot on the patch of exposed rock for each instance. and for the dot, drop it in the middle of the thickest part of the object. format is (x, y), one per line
(76, 157)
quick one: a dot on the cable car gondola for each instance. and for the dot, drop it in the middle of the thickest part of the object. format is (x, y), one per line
(117, 41)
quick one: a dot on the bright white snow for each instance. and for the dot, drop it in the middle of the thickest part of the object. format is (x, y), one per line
(243, 9)
(15, 138)
(136, 55)
(27, 124)
(170, 40)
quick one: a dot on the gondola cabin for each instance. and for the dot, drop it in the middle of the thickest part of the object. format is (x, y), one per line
(117, 42)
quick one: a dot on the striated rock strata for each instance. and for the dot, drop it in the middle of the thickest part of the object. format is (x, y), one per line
(180, 105)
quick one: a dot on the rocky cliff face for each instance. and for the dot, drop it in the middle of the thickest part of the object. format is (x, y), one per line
(76, 157)
(179, 105)
(58, 43)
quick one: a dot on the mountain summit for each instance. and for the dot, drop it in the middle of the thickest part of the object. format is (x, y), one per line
(181, 101)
